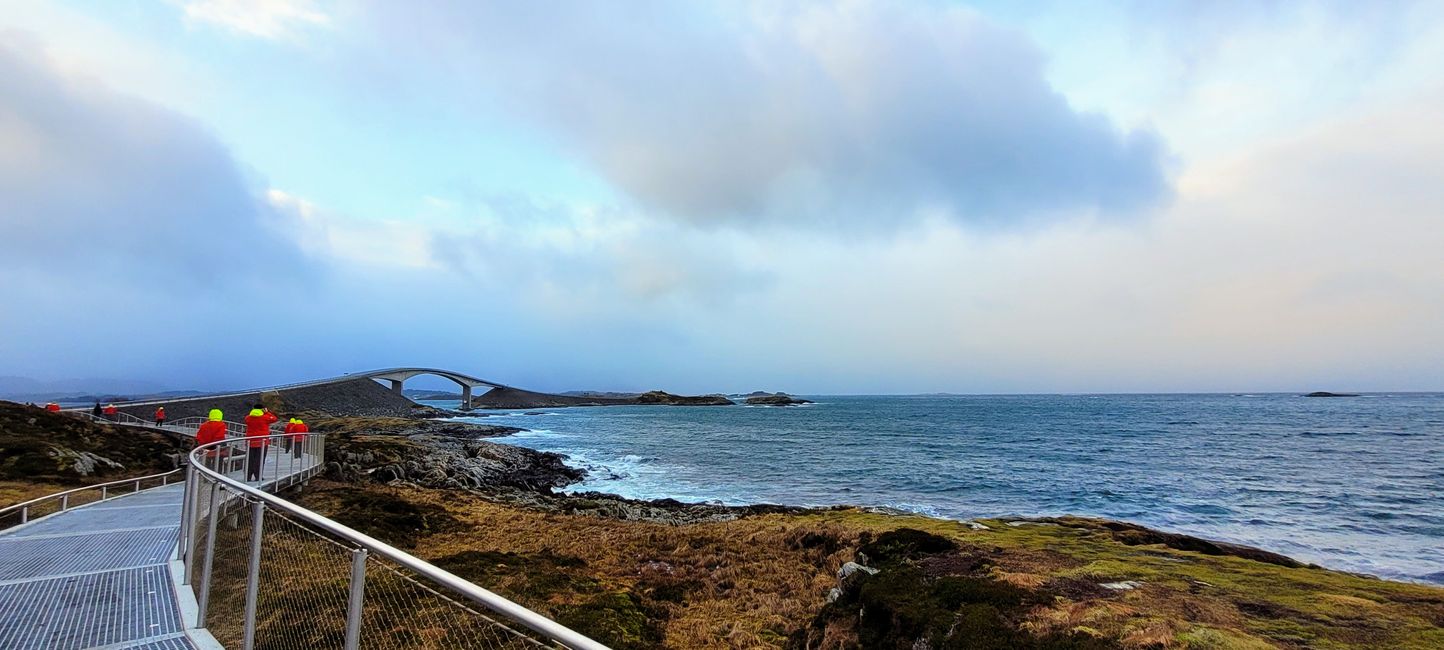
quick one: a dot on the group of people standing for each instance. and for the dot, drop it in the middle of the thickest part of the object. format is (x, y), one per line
(258, 428)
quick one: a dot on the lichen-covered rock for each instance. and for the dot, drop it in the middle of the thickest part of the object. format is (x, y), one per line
(36, 445)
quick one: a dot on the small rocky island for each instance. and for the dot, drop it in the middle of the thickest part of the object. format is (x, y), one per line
(760, 398)
(1324, 393)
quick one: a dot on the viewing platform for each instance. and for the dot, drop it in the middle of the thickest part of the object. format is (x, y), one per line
(201, 558)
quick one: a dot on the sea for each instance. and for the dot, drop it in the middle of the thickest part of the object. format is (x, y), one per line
(1351, 483)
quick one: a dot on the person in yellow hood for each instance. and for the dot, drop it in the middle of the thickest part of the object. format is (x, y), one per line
(258, 426)
(212, 430)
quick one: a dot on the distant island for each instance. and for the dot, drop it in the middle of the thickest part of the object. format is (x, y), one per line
(1322, 393)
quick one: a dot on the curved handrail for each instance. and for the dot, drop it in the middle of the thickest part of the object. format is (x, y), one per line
(24, 506)
(487, 599)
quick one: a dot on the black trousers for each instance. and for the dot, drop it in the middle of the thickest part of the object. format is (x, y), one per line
(254, 459)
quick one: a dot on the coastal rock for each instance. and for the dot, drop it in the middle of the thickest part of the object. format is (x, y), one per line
(438, 454)
(776, 399)
(668, 399)
(1323, 393)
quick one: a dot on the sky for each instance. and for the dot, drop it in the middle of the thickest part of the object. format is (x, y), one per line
(861, 196)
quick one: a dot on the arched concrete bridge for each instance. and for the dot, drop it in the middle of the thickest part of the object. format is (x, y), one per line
(396, 376)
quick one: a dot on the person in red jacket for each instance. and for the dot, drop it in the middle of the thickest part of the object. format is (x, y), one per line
(296, 430)
(160, 416)
(212, 430)
(111, 413)
(258, 426)
(52, 407)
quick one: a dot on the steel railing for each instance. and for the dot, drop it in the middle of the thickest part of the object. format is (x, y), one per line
(270, 573)
(186, 425)
(61, 501)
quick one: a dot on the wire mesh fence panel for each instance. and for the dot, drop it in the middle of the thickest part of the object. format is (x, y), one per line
(225, 612)
(401, 611)
(305, 586)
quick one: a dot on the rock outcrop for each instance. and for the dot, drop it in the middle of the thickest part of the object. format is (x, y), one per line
(776, 399)
(668, 399)
(437, 454)
(36, 445)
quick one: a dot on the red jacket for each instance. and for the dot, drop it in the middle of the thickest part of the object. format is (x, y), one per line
(109, 410)
(160, 414)
(258, 427)
(53, 408)
(211, 431)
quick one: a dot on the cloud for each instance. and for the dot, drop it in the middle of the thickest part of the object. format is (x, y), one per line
(1309, 264)
(100, 188)
(843, 113)
(269, 19)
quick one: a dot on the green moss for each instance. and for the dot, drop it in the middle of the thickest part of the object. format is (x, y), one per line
(387, 517)
(1211, 638)
(534, 578)
(903, 544)
(615, 618)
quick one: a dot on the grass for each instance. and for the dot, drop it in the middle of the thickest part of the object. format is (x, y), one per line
(17, 491)
(762, 581)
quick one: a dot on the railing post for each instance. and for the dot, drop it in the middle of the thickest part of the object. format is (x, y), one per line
(253, 578)
(210, 555)
(137, 486)
(24, 514)
(104, 491)
(64, 502)
(193, 487)
(358, 598)
(184, 532)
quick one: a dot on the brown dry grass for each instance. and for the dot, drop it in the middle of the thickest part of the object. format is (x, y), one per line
(752, 582)
(16, 491)
(739, 584)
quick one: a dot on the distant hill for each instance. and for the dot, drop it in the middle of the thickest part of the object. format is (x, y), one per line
(422, 393)
(600, 394)
(77, 391)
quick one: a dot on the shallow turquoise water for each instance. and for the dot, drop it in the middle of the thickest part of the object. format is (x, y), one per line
(1350, 483)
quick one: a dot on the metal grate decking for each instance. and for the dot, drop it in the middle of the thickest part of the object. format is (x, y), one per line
(96, 576)
(89, 610)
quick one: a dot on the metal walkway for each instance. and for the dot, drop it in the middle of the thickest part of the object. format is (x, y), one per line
(96, 576)
(99, 576)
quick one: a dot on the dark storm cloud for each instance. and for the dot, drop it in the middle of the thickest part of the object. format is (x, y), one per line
(833, 113)
(102, 190)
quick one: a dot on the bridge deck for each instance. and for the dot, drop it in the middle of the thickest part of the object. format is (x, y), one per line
(98, 576)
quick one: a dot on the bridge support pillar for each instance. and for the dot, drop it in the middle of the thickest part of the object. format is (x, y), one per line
(466, 398)
(396, 385)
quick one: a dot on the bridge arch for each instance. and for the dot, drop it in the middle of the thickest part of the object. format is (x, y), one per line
(398, 376)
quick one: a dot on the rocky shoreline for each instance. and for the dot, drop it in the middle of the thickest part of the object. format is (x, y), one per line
(451, 455)
(837, 577)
